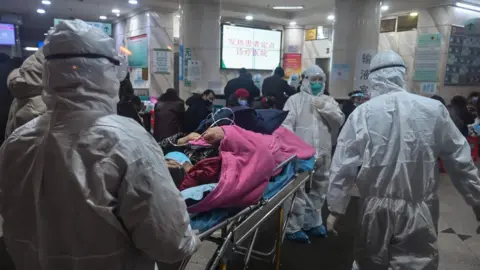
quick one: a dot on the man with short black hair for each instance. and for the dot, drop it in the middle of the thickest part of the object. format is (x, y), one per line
(244, 81)
(199, 107)
(276, 86)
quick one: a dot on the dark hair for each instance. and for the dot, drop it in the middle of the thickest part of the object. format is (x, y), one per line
(170, 95)
(136, 101)
(279, 72)
(208, 92)
(126, 88)
(473, 94)
(439, 98)
(243, 71)
(459, 104)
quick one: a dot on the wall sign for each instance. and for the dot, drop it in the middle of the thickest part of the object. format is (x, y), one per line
(364, 57)
(428, 88)
(161, 61)
(138, 46)
(292, 64)
(105, 27)
(463, 62)
(427, 57)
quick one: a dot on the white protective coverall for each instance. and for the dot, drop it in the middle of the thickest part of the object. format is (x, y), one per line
(314, 119)
(389, 147)
(80, 187)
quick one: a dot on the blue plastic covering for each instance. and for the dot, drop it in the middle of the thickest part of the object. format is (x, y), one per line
(204, 221)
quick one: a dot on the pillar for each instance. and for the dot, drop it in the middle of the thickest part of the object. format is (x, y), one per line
(293, 38)
(355, 42)
(200, 44)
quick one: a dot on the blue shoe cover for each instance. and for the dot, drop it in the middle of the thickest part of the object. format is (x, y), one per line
(319, 231)
(300, 237)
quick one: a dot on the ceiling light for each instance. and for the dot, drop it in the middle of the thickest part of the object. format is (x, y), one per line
(385, 8)
(46, 2)
(414, 14)
(467, 6)
(118, 14)
(178, 15)
(115, 10)
(287, 7)
(103, 17)
(133, 2)
(45, 34)
(331, 17)
(292, 23)
(41, 11)
(249, 17)
(31, 49)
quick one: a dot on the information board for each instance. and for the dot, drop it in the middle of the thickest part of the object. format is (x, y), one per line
(463, 62)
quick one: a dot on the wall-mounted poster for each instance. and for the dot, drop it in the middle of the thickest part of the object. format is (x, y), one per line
(311, 34)
(292, 64)
(138, 46)
(463, 62)
(427, 57)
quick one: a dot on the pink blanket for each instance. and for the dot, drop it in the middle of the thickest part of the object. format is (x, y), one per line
(248, 161)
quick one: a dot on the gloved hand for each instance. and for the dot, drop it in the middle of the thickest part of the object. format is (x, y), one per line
(331, 221)
(318, 103)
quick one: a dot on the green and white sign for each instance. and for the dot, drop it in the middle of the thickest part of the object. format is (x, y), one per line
(427, 58)
(105, 27)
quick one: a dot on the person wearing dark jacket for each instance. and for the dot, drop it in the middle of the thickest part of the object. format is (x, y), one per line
(129, 106)
(169, 115)
(276, 86)
(244, 81)
(460, 114)
(199, 107)
(126, 88)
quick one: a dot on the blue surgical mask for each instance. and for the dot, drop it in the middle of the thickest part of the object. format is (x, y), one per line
(243, 102)
(317, 88)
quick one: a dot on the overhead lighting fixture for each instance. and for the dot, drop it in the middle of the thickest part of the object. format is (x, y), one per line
(115, 10)
(249, 17)
(414, 14)
(133, 2)
(45, 34)
(292, 23)
(287, 7)
(331, 17)
(41, 11)
(384, 8)
(46, 2)
(467, 6)
(118, 14)
(178, 15)
(103, 17)
(31, 49)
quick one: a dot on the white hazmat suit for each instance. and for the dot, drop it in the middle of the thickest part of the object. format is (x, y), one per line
(314, 119)
(80, 187)
(389, 147)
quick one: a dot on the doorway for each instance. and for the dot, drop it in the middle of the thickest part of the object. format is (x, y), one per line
(324, 63)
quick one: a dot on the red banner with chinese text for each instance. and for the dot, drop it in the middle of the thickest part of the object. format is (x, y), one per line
(292, 63)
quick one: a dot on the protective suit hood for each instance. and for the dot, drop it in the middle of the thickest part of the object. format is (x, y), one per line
(387, 74)
(312, 71)
(26, 81)
(80, 69)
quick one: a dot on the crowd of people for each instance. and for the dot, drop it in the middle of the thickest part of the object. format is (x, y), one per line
(85, 185)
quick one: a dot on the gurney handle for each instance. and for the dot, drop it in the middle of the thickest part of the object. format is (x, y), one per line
(284, 163)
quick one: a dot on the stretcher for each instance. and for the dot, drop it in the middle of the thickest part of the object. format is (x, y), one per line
(237, 234)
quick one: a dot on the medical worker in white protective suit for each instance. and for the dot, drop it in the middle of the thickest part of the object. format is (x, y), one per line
(80, 187)
(313, 116)
(389, 147)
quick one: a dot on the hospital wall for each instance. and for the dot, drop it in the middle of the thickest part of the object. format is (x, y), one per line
(159, 29)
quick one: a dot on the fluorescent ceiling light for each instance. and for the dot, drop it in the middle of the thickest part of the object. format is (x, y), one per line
(467, 6)
(178, 15)
(249, 17)
(292, 23)
(331, 17)
(115, 10)
(45, 34)
(287, 7)
(133, 2)
(41, 11)
(385, 8)
(46, 2)
(31, 49)
(118, 14)
(103, 17)
(414, 14)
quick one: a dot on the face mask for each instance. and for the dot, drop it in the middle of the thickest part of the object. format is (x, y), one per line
(317, 87)
(242, 102)
(475, 99)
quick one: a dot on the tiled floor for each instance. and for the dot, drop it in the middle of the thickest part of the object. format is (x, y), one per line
(459, 242)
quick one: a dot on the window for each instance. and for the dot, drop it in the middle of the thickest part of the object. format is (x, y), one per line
(407, 23)
(388, 25)
(324, 32)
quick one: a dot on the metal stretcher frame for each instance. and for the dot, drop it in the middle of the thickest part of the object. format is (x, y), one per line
(238, 228)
